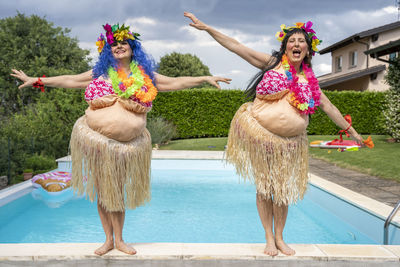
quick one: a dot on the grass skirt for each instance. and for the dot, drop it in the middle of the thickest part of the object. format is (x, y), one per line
(118, 172)
(277, 165)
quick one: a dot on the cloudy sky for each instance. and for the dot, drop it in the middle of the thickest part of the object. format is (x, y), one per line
(164, 30)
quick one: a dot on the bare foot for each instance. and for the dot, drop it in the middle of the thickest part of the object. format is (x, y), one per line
(106, 247)
(284, 248)
(122, 246)
(270, 249)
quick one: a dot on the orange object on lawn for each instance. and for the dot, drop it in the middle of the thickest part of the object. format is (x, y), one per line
(368, 142)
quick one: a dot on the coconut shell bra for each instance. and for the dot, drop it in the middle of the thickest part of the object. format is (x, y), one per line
(274, 82)
(273, 109)
(98, 88)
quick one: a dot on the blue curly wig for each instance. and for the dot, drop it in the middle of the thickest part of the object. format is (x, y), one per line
(106, 60)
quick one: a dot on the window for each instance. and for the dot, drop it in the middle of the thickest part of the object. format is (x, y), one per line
(393, 56)
(353, 59)
(338, 63)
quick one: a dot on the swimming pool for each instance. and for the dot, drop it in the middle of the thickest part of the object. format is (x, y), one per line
(193, 201)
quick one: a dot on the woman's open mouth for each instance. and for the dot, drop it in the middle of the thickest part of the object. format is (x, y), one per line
(296, 53)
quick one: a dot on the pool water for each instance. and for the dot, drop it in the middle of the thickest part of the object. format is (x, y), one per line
(192, 201)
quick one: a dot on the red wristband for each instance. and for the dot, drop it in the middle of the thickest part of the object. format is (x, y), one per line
(39, 84)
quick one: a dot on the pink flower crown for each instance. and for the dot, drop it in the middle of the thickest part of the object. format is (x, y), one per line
(307, 28)
(115, 34)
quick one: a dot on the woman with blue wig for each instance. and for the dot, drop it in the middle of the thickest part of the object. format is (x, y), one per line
(110, 143)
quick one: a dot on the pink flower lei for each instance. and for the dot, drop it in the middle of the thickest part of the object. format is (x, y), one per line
(297, 99)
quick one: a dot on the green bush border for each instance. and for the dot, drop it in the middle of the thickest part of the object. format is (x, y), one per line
(208, 112)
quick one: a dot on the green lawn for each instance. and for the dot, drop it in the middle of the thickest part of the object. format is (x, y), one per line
(197, 144)
(383, 160)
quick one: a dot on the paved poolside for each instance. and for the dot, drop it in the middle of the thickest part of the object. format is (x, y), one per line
(386, 191)
(186, 254)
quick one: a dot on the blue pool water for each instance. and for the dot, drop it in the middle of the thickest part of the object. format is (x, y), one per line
(192, 201)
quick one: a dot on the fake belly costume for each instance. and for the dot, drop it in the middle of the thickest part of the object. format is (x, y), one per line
(267, 140)
(111, 147)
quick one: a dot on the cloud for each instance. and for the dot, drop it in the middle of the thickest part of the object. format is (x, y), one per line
(141, 21)
(236, 71)
(254, 23)
(323, 68)
(93, 53)
(336, 27)
(203, 6)
(254, 41)
(389, 10)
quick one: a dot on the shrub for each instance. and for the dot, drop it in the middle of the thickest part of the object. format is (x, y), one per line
(37, 162)
(161, 130)
(46, 125)
(392, 111)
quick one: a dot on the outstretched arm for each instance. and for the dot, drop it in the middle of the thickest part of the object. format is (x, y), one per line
(78, 81)
(165, 83)
(255, 58)
(335, 115)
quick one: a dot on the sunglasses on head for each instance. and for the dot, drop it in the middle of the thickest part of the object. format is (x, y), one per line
(124, 42)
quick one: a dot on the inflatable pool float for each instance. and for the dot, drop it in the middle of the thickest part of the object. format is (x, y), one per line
(54, 181)
(343, 145)
(335, 144)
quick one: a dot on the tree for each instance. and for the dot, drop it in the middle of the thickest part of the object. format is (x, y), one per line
(176, 64)
(38, 48)
(392, 112)
(41, 128)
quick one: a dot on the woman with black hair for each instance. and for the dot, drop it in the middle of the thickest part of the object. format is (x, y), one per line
(110, 145)
(267, 140)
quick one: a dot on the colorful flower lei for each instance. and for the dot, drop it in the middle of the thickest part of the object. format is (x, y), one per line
(297, 99)
(137, 84)
(307, 28)
(115, 33)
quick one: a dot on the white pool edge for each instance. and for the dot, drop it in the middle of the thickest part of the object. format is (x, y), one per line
(373, 206)
(199, 252)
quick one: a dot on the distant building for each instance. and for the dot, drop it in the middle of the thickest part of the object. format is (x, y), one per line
(360, 61)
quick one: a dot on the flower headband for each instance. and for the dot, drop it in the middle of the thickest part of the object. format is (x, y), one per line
(115, 34)
(307, 28)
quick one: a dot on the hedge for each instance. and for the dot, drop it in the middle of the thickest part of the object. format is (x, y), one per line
(208, 112)
(365, 108)
(198, 113)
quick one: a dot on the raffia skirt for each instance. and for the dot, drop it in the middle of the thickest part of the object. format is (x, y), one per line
(117, 172)
(277, 165)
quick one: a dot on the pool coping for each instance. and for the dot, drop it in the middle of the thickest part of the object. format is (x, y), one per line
(199, 251)
(210, 251)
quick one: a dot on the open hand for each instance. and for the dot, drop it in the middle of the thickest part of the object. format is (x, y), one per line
(27, 81)
(198, 24)
(214, 80)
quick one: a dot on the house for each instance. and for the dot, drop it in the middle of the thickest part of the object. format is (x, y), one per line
(360, 61)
